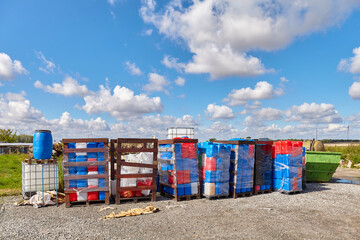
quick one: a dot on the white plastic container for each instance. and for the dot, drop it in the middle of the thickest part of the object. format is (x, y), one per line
(80, 145)
(194, 188)
(93, 181)
(82, 196)
(39, 177)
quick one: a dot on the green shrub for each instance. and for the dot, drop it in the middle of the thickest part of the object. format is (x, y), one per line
(351, 152)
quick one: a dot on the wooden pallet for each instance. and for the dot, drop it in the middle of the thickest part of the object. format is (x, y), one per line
(180, 198)
(40, 161)
(125, 146)
(68, 177)
(216, 196)
(262, 191)
(136, 199)
(86, 203)
(244, 194)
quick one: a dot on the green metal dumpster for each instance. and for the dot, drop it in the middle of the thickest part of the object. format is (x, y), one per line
(320, 166)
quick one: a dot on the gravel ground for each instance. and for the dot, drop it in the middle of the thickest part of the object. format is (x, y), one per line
(323, 211)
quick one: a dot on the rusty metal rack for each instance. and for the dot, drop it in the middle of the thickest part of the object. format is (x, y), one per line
(240, 160)
(67, 164)
(263, 167)
(123, 146)
(174, 173)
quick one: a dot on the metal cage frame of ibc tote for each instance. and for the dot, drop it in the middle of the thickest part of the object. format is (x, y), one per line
(233, 194)
(255, 192)
(104, 163)
(42, 163)
(175, 196)
(119, 162)
(179, 132)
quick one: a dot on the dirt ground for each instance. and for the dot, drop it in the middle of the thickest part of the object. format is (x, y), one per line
(322, 211)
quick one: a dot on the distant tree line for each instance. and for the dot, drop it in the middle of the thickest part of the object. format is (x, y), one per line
(10, 136)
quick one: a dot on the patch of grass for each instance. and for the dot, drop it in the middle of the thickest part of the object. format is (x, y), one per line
(11, 176)
(10, 171)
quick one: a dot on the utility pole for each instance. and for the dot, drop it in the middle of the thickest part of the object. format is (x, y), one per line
(316, 132)
(348, 132)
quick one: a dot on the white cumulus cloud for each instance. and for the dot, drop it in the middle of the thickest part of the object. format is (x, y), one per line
(262, 90)
(9, 68)
(68, 87)
(171, 62)
(221, 33)
(314, 113)
(352, 64)
(354, 90)
(121, 104)
(268, 114)
(157, 83)
(214, 111)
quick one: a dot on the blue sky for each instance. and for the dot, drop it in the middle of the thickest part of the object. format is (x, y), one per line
(260, 68)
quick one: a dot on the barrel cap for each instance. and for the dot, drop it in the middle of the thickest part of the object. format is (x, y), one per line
(43, 131)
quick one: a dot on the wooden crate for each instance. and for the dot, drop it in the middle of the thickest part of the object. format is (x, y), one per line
(175, 196)
(233, 184)
(67, 164)
(118, 149)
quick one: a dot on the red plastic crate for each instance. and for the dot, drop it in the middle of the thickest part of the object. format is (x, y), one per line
(93, 196)
(210, 164)
(186, 176)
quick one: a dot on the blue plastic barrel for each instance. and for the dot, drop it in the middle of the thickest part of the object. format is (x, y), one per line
(42, 144)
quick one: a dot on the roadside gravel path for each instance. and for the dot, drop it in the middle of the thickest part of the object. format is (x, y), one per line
(323, 211)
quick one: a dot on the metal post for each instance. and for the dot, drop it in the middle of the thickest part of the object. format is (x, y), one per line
(42, 181)
(56, 184)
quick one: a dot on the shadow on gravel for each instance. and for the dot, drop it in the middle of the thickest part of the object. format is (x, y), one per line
(315, 187)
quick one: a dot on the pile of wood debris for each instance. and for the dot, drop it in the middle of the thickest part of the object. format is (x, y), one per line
(132, 212)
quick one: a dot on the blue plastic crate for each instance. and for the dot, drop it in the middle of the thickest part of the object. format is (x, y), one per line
(92, 155)
(187, 189)
(181, 190)
(101, 169)
(210, 176)
(299, 184)
(81, 170)
(71, 145)
(219, 176)
(186, 164)
(72, 183)
(166, 155)
(82, 183)
(101, 182)
(179, 164)
(164, 167)
(81, 158)
(212, 150)
(91, 145)
(218, 188)
(72, 170)
(101, 195)
(194, 177)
